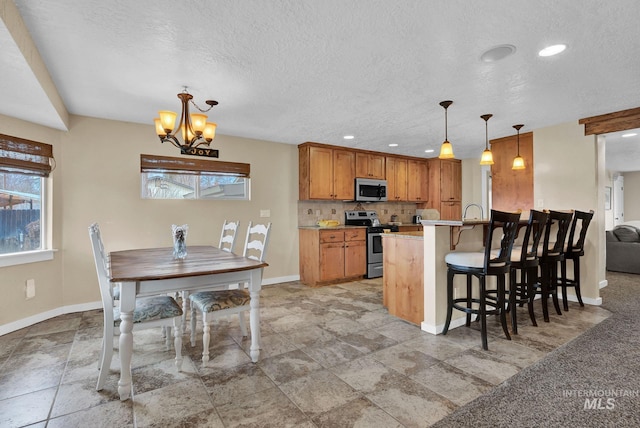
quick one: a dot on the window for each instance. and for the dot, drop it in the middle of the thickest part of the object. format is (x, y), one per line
(177, 178)
(24, 166)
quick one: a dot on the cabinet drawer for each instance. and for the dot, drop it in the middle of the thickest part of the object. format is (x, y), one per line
(355, 235)
(331, 236)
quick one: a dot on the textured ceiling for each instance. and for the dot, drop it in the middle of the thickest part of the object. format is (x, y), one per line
(307, 70)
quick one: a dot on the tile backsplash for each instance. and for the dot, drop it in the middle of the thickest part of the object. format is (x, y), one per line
(309, 212)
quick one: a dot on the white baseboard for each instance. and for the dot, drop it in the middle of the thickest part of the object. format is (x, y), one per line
(43, 316)
(437, 329)
(280, 279)
(585, 300)
(603, 283)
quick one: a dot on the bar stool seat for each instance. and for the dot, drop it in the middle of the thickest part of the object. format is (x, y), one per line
(481, 264)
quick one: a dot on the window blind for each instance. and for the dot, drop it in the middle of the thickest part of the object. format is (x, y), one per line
(151, 163)
(21, 156)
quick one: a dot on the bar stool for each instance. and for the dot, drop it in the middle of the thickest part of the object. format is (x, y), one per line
(573, 251)
(551, 256)
(489, 262)
(524, 259)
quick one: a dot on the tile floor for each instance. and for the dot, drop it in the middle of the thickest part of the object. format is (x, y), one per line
(331, 356)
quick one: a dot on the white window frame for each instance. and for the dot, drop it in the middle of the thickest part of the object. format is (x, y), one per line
(46, 251)
(151, 164)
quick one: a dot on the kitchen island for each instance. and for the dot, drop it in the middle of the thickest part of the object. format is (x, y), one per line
(415, 273)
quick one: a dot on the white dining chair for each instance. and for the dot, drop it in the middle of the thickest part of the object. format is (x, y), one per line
(228, 235)
(222, 303)
(227, 243)
(150, 312)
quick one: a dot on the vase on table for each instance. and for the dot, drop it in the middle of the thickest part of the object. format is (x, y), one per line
(179, 241)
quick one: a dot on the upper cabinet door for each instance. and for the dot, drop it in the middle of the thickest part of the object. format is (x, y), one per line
(320, 173)
(450, 180)
(370, 166)
(396, 179)
(344, 175)
(417, 181)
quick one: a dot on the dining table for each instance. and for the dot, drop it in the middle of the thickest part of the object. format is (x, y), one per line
(155, 271)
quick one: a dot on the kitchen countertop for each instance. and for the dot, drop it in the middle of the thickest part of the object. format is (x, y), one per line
(405, 235)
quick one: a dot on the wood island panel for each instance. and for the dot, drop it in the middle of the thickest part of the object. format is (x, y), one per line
(403, 267)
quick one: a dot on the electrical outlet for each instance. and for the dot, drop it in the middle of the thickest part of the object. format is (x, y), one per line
(30, 288)
(318, 212)
(265, 213)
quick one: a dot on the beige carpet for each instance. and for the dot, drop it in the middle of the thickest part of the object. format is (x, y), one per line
(591, 381)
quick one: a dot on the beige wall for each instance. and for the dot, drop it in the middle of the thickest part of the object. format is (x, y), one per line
(472, 188)
(568, 170)
(48, 274)
(97, 179)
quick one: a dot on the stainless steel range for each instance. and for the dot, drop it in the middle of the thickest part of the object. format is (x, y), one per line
(374, 237)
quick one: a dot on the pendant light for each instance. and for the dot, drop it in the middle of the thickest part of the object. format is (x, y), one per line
(446, 149)
(487, 156)
(518, 161)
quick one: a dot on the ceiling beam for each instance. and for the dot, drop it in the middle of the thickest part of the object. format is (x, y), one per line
(10, 17)
(611, 122)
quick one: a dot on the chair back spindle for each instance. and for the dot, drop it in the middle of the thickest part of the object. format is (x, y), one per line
(228, 235)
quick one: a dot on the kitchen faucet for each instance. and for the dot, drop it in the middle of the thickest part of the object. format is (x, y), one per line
(464, 214)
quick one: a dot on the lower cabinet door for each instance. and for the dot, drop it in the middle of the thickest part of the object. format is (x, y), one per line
(355, 258)
(331, 261)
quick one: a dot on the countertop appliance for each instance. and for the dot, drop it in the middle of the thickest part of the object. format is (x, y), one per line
(374, 237)
(417, 219)
(370, 190)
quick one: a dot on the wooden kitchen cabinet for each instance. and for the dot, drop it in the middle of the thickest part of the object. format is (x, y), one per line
(326, 173)
(369, 165)
(445, 188)
(396, 179)
(417, 181)
(512, 190)
(332, 255)
(355, 252)
(450, 210)
(450, 180)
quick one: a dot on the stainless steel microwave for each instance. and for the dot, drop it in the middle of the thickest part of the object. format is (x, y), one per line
(370, 190)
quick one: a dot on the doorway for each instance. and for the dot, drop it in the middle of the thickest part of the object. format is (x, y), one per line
(618, 200)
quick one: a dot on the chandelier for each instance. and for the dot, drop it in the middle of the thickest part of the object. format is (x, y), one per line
(195, 129)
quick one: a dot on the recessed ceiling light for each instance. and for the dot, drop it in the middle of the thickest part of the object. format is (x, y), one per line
(631, 134)
(393, 145)
(348, 137)
(497, 53)
(552, 50)
(429, 151)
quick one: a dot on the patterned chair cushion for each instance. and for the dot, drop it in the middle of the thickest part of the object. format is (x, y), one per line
(151, 309)
(209, 301)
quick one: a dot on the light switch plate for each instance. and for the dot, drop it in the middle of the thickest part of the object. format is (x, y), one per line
(265, 213)
(30, 288)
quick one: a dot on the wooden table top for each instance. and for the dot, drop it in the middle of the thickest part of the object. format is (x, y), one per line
(158, 263)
